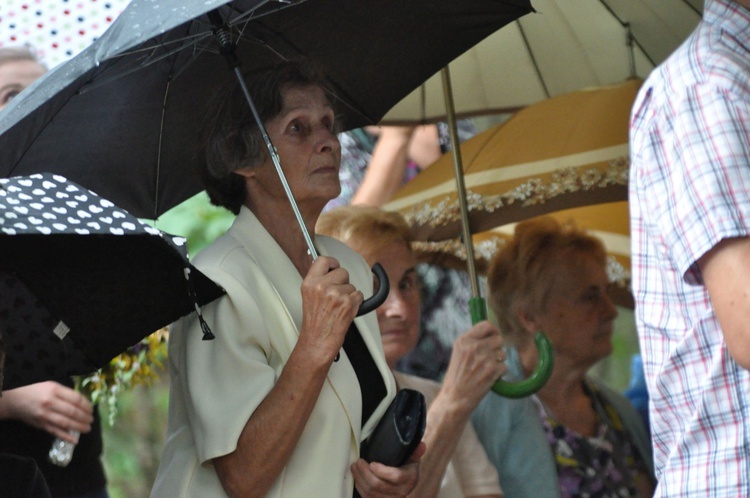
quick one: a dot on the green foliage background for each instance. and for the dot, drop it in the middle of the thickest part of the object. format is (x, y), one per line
(132, 446)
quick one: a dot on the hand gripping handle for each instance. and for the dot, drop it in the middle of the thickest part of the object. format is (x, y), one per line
(536, 380)
(543, 370)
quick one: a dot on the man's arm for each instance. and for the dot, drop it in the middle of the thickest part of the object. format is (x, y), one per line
(726, 274)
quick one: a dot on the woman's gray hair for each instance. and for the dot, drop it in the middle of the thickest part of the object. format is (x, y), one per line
(231, 136)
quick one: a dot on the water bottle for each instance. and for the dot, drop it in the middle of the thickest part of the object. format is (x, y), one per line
(61, 452)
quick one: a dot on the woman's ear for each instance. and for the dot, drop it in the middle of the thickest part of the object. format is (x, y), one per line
(527, 319)
(246, 171)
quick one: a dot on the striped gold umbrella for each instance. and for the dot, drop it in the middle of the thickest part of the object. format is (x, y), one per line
(609, 222)
(562, 153)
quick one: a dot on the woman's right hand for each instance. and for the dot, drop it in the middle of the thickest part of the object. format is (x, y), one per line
(49, 406)
(477, 361)
(329, 304)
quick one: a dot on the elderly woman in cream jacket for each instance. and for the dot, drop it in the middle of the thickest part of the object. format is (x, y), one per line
(278, 403)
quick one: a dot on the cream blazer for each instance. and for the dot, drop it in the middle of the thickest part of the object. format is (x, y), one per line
(216, 385)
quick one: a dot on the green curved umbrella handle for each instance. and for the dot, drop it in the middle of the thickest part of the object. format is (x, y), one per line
(536, 380)
(543, 370)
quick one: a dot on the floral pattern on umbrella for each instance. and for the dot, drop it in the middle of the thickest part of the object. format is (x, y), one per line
(560, 154)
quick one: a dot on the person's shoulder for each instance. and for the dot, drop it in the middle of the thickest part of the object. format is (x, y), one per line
(339, 250)
(218, 259)
(495, 409)
(332, 244)
(714, 56)
(720, 48)
(229, 249)
(212, 252)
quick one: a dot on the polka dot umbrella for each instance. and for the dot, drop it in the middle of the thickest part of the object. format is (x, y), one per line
(56, 30)
(81, 280)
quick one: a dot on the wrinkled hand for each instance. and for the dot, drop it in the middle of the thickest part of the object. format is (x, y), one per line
(375, 480)
(329, 304)
(49, 406)
(477, 361)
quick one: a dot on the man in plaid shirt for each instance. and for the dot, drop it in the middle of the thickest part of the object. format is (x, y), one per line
(690, 222)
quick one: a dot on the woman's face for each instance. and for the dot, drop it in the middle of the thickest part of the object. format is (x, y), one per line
(579, 315)
(398, 316)
(308, 149)
(15, 76)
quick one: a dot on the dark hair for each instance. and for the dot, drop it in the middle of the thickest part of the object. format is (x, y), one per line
(232, 138)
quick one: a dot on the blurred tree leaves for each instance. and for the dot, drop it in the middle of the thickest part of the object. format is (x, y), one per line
(196, 219)
(132, 447)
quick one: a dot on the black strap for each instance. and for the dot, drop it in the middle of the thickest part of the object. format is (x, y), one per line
(371, 383)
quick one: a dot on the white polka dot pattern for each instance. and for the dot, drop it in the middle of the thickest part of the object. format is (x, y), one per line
(50, 204)
(73, 261)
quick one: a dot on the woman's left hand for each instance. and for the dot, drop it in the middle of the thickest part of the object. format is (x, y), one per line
(375, 480)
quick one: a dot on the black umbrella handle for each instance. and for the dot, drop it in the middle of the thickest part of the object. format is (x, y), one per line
(380, 296)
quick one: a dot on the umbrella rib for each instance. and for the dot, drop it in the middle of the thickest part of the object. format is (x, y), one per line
(150, 59)
(533, 59)
(188, 41)
(29, 143)
(691, 6)
(191, 39)
(338, 92)
(250, 15)
(630, 38)
(159, 148)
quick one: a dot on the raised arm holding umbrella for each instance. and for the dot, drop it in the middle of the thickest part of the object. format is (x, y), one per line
(302, 380)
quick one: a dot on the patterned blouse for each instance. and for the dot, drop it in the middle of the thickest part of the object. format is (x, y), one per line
(600, 466)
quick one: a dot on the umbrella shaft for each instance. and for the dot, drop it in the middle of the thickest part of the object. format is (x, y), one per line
(460, 185)
(275, 158)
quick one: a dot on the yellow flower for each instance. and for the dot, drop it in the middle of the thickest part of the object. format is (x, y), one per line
(137, 365)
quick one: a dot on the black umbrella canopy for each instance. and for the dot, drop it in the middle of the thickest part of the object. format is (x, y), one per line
(81, 280)
(123, 117)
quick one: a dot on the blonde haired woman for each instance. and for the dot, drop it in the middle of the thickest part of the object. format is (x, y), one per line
(454, 464)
